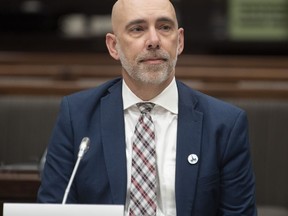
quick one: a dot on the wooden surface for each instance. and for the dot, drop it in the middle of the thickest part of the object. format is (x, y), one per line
(18, 186)
(221, 76)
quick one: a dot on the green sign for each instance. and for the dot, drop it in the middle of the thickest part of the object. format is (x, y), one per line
(261, 20)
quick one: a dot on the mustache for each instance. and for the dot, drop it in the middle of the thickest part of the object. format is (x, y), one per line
(155, 54)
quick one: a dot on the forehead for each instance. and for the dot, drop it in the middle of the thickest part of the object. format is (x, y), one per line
(147, 7)
(147, 10)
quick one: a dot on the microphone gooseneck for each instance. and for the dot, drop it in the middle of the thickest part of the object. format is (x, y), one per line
(83, 148)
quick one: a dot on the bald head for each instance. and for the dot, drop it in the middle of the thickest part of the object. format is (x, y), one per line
(124, 10)
(147, 40)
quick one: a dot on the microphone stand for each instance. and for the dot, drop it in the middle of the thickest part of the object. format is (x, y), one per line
(84, 146)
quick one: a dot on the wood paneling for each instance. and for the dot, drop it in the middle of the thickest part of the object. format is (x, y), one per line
(221, 76)
(18, 186)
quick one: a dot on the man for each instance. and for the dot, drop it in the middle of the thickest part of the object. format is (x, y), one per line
(202, 160)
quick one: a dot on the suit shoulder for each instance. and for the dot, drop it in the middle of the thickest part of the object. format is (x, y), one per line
(94, 93)
(204, 102)
(216, 103)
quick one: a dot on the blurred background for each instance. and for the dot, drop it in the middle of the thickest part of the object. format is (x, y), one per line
(235, 50)
(212, 26)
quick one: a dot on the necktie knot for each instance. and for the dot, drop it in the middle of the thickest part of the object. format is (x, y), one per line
(145, 107)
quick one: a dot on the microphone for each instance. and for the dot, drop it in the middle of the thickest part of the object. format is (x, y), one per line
(83, 148)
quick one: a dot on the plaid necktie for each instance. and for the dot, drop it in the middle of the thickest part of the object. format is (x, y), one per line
(143, 173)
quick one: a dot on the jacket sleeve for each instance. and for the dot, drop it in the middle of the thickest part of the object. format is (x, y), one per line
(237, 190)
(60, 160)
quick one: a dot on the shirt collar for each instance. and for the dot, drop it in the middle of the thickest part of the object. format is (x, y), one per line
(168, 98)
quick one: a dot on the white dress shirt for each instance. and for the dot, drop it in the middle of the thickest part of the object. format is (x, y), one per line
(164, 115)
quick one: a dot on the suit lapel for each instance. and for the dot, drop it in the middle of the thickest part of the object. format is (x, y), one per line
(113, 135)
(188, 142)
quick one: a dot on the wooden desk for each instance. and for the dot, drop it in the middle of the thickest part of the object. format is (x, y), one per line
(18, 186)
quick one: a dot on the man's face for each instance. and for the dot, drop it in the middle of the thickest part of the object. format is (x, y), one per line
(148, 40)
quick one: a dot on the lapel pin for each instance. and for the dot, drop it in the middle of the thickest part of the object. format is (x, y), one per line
(192, 159)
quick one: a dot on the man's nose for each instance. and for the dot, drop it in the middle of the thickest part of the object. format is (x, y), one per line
(153, 40)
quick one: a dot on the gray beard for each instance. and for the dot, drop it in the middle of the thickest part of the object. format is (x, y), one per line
(148, 74)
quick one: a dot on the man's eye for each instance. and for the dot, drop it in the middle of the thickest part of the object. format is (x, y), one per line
(136, 29)
(165, 27)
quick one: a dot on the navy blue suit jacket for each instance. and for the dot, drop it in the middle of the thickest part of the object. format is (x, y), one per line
(221, 183)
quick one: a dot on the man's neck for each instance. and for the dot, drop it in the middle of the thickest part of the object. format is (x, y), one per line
(146, 91)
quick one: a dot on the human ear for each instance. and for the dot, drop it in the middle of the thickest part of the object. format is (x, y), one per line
(180, 41)
(111, 45)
